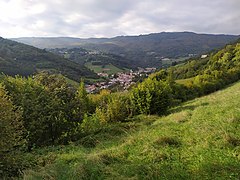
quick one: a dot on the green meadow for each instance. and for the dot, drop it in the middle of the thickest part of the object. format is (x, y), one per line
(199, 139)
(109, 68)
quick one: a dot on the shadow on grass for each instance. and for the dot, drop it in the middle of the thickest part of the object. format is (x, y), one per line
(110, 132)
(219, 171)
(187, 107)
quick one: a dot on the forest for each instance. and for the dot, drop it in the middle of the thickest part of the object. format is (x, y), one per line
(43, 110)
(20, 59)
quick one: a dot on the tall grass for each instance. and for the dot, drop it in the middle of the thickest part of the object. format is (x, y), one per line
(199, 140)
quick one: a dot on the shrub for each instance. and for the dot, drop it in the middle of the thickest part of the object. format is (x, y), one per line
(11, 135)
(91, 123)
(151, 97)
(51, 112)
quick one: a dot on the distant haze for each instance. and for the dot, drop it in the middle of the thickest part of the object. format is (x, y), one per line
(108, 18)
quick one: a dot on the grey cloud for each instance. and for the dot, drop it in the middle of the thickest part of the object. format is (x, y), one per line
(93, 18)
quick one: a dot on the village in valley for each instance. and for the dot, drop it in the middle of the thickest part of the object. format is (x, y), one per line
(123, 80)
(110, 76)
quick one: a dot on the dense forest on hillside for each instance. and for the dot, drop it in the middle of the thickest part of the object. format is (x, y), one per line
(17, 58)
(44, 110)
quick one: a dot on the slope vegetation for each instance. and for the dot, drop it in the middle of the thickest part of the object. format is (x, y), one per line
(199, 140)
(17, 58)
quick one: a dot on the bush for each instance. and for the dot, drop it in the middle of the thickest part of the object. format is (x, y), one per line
(91, 123)
(116, 108)
(11, 136)
(151, 97)
(51, 111)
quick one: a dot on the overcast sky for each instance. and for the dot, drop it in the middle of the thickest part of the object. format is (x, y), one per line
(108, 18)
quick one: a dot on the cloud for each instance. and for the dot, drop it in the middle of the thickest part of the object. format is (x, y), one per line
(108, 18)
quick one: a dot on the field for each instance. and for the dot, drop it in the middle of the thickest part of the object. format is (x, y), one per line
(167, 63)
(199, 139)
(184, 81)
(109, 69)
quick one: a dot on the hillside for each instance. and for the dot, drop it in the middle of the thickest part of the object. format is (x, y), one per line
(199, 139)
(18, 58)
(222, 60)
(66, 133)
(143, 50)
(83, 56)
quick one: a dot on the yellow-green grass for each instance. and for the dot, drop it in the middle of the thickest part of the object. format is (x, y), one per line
(199, 139)
(109, 69)
(72, 82)
(169, 62)
(184, 81)
(76, 84)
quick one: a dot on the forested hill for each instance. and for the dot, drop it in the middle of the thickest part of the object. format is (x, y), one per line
(144, 50)
(18, 58)
(218, 63)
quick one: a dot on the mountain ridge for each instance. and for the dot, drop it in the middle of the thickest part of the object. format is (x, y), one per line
(144, 50)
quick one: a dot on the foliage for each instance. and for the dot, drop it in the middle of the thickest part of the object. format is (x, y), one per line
(50, 109)
(198, 140)
(208, 75)
(113, 107)
(11, 135)
(21, 59)
(83, 99)
(117, 108)
(91, 123)
(151, 97)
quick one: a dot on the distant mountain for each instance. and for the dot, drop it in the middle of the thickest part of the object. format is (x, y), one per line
(143, 50)
(18, 58)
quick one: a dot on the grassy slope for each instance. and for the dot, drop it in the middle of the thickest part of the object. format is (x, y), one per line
(98, 69)
(167, 63)
(199, 140)
(184, 81)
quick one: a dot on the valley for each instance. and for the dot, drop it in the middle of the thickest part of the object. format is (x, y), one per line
(139, 51)
(119, 89)
(134, 124)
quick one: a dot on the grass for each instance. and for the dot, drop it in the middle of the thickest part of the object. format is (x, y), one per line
(91, 80)
(72, 82)
(184, 81)
(198, 140)
(76, 84)
(167, 63)
(109, 69)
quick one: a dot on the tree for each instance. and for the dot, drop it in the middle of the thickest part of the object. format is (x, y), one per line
(11, 134)
(152, 96)
(50, 109)
(83, 99)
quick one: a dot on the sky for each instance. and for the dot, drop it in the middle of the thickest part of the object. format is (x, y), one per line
(109, 18)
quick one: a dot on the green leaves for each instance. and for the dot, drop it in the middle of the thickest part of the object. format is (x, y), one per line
(51, 111)
(152, 96)
(11, 133)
